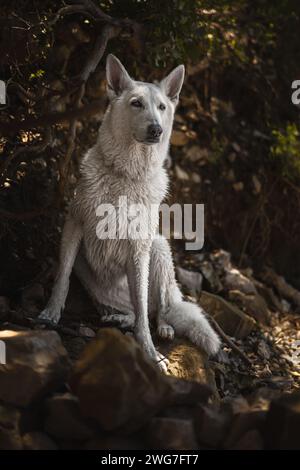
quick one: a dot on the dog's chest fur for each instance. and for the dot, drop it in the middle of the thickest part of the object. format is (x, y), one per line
(143, 180)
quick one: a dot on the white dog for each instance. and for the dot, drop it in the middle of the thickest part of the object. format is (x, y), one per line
(136, 276)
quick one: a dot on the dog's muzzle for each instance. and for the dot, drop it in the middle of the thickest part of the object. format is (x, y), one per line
(154, 132)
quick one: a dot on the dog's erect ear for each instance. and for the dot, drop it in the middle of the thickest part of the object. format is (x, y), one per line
(172, 84)
(117, 77)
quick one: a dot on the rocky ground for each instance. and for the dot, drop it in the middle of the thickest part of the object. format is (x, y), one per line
(89, 386)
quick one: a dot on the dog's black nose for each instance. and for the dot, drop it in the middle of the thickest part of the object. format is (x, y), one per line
(154, 130)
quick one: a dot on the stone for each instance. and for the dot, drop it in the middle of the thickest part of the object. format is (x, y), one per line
(283, 423)
(10, 420)
(171, 434)
(287, 291)
(181, 174)
(86, 332)
(38, 441)
(187, 392)
(36, 364)
(190, 279)
(263, 350)
(241, 424)
(63, 419)
(117, 384)
(232, 320)
(196, 178)
(211, 277)
(235, 280)
(10, 417)
(188, 362)
(252, 304)
(211, 426)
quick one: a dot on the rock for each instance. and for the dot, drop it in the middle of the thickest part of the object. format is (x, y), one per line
(232, 320)
(236, 405)
(188, 362)
(241, 424)
(86, 332)
(263, 350)
(283, 423)
(252, 440)
(38, 441)
(235, 280)
(37, 363)
(211, 426)
(63, 419)
(181, 174)
(253, 304)
(117, 384)
(116, 443)
(33, 298)
(281, 286)
(196, 178)
(190, 279)
(221, 260)
(211, 276)
(268, 294)
(171, 434)
(10, 439)
(10, 419)
(179, 138)
(186, 392)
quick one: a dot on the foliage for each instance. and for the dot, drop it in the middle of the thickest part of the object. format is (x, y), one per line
(286, 151)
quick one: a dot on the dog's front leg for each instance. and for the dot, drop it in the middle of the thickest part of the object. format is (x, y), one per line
(71, 237)
(138, 276)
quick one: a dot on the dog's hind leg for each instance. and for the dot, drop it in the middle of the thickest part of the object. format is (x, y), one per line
(185, 318)
(117, 297)
(71, 237)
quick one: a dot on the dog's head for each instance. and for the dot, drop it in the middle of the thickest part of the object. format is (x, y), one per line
(146, 110)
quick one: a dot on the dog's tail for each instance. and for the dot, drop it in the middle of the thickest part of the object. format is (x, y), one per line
(189, 320)
(186, 318)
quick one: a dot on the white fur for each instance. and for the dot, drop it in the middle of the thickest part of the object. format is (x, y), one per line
(134, 276)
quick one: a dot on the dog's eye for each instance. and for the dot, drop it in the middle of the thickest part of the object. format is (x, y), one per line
(162, 107)
(136, 103)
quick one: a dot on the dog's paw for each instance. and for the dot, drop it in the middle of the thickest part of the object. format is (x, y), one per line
(166, 331)
(50, 316)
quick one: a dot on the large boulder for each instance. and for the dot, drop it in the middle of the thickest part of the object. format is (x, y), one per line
(117, 384)
(36, 364)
